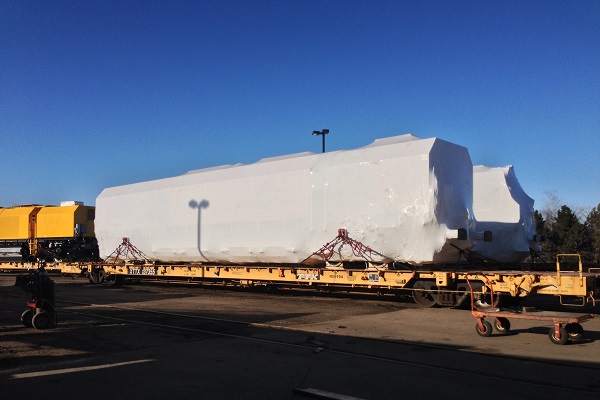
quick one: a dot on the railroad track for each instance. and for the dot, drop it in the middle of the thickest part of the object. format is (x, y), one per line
(206, 327)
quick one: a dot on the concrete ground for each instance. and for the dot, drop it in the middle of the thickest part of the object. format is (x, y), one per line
(161, 341)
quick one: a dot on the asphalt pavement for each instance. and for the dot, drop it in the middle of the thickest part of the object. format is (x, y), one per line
(160, 342)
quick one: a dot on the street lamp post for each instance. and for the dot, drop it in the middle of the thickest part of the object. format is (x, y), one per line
(321, 133)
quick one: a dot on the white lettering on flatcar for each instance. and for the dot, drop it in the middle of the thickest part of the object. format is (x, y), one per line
(308, 277)
(142, 271)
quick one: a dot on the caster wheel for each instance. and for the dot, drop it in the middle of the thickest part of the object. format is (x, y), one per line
(41, 320)
(486, 331)
(27, 317)
(564, 336)
(502, 325)
(575, 331)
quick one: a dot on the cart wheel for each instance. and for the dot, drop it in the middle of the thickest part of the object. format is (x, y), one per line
(41, 320)
(502, 325)
(486, 331)
(26, 317)
(575, 331)
(564, 336)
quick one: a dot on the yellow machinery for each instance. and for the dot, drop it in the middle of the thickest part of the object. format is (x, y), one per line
(16, 223)
(65, 222)
(63, 232)
(17, 230)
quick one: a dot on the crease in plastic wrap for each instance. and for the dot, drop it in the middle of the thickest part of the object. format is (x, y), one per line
(502, 207)
(403, 197)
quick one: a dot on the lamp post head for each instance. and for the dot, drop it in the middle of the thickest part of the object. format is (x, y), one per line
(323, 132)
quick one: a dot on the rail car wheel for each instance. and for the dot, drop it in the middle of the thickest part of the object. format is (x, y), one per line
(485, 329)
(564, 336)
(97, 276)
(115, 280)
(27, 317)
(422, 295)
(575, 331)
(41, 320)
(502, 325)
(461, 296)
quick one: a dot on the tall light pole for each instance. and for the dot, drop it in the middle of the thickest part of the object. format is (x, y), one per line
(322, 133)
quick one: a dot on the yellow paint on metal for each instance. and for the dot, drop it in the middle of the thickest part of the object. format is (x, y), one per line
(61, 221)
(442, 279)
(16, 222)
(42, 222)
(574, 284)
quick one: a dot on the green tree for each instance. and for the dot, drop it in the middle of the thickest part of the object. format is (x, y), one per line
(568, 235)
(592, 225)
(541, 231)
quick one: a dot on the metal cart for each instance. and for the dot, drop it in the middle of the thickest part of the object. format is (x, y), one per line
(567, 325)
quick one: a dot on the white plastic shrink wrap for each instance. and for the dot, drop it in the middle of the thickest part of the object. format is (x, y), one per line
(402, 196)
(502, 206)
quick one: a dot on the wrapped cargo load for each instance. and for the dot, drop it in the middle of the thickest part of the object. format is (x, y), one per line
(502, 206)
(404, 197)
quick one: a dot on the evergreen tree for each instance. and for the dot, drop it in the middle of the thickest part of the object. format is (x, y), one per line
(592, 225)
(568, 234)
(540, 229)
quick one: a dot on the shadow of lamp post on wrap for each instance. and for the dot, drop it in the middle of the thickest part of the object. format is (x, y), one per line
(199, 205)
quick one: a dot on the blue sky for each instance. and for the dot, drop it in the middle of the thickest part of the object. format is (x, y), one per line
(103, 93)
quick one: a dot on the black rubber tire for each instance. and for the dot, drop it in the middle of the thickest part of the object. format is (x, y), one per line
(575, 331)
(564, 336)
(41, 320)
(487, 329)
(27, 317)
(502, 325)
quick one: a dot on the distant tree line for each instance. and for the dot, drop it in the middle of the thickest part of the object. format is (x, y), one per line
(569, 231)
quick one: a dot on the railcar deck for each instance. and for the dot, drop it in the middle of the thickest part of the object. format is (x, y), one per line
(428, 287)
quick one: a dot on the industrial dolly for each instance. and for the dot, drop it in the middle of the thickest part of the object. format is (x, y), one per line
(40, 312)
(567, 325)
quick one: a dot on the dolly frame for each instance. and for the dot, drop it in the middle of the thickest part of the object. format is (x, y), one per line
(566, 325)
